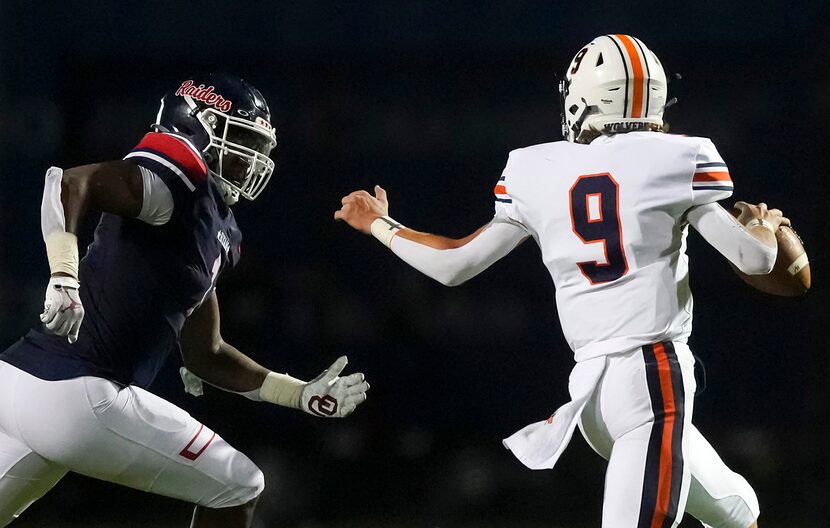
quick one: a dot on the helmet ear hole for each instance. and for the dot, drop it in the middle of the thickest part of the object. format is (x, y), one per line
(573, 109)
(599, 60)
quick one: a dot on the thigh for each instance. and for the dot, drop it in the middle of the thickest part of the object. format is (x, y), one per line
(718, 497)
(646, 403)
(24, 477)
(129, 436)
(592, 426)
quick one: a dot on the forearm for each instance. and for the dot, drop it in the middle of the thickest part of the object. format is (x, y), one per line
(752, 251)
(454, 261)
(229, 369)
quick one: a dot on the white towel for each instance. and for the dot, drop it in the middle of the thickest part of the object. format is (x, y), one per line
(540, 444)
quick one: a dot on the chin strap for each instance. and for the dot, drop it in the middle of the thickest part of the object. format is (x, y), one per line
(229, 194)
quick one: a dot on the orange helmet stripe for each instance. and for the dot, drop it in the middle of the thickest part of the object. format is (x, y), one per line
(639, 78)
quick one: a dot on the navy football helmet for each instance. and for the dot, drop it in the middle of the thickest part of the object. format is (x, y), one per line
(228, 120)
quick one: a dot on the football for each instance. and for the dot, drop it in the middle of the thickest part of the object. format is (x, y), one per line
(791, 275)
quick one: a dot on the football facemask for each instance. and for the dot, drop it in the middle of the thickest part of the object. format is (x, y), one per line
(241, 150)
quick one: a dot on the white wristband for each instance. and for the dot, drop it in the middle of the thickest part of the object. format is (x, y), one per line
(384, 228)
(282, 389)
(760, 222)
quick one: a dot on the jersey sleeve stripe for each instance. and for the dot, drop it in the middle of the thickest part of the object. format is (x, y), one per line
(711, 176)
(501, 193)
(711, 164)
(713, 188)
(164, 162)
(177, 151)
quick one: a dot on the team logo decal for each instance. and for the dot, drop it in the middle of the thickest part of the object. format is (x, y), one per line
(205, 95)
(322, 406)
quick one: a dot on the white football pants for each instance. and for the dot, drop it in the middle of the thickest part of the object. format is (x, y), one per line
(639, 419)
(119, 434)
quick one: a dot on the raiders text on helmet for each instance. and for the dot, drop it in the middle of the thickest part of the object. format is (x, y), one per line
(613, 84)
(229, 121)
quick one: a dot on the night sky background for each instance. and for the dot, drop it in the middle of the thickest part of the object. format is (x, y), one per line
(427, 99)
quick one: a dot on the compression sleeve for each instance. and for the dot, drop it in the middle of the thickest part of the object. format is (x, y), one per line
(723, 232)
(452, 267)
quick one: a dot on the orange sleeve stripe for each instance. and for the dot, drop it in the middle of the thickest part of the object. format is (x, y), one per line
(711, 177)
(500, 189)
(639, 81)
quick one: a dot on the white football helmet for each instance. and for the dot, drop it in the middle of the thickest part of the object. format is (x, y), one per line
(613, 84)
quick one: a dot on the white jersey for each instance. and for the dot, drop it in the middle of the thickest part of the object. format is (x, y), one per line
(609, 218)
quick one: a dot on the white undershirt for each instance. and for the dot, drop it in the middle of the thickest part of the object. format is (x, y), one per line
(157, 203)
(455, 266)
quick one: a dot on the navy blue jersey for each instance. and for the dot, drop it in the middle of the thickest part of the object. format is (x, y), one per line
(140, 282)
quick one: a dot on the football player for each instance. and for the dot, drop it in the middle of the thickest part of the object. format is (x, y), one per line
(73, 391)
(610, 208)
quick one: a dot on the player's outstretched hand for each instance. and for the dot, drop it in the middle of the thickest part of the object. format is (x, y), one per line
(750, 212)
(331, 396)
(359, 209)
(62, 309)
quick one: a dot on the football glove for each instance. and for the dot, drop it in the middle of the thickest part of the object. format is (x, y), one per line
(330, 396)
(62, 310)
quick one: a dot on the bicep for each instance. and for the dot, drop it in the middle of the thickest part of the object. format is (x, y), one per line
(112, 187)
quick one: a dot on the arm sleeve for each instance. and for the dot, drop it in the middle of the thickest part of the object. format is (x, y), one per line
(452, 267)
(710, 181)
(157, 204)
(728, 236)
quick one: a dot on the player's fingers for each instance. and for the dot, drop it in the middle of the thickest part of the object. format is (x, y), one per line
(354, 401)
(54, 323)
(48, 314)
(62, 327)
(335, 369)
(785, 221)
(339, 215)
(349, 198)
(354, 379)
(741, 205)
(72, 335)
(357, 389)
(776, 212)
(380, 193)
(763, 208)
(347, 410)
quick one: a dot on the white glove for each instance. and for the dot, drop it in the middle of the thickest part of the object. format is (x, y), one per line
(331, 396)
(193, 384)
(62, 309)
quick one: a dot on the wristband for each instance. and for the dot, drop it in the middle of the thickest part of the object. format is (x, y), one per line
(282, 389)
(62, 252)
(760, 222)
(384, 228)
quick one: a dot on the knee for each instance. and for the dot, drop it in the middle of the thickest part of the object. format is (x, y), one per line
(245, 486)
(249, 486)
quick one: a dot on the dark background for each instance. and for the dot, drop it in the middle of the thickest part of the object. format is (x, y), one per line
(428, 99)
